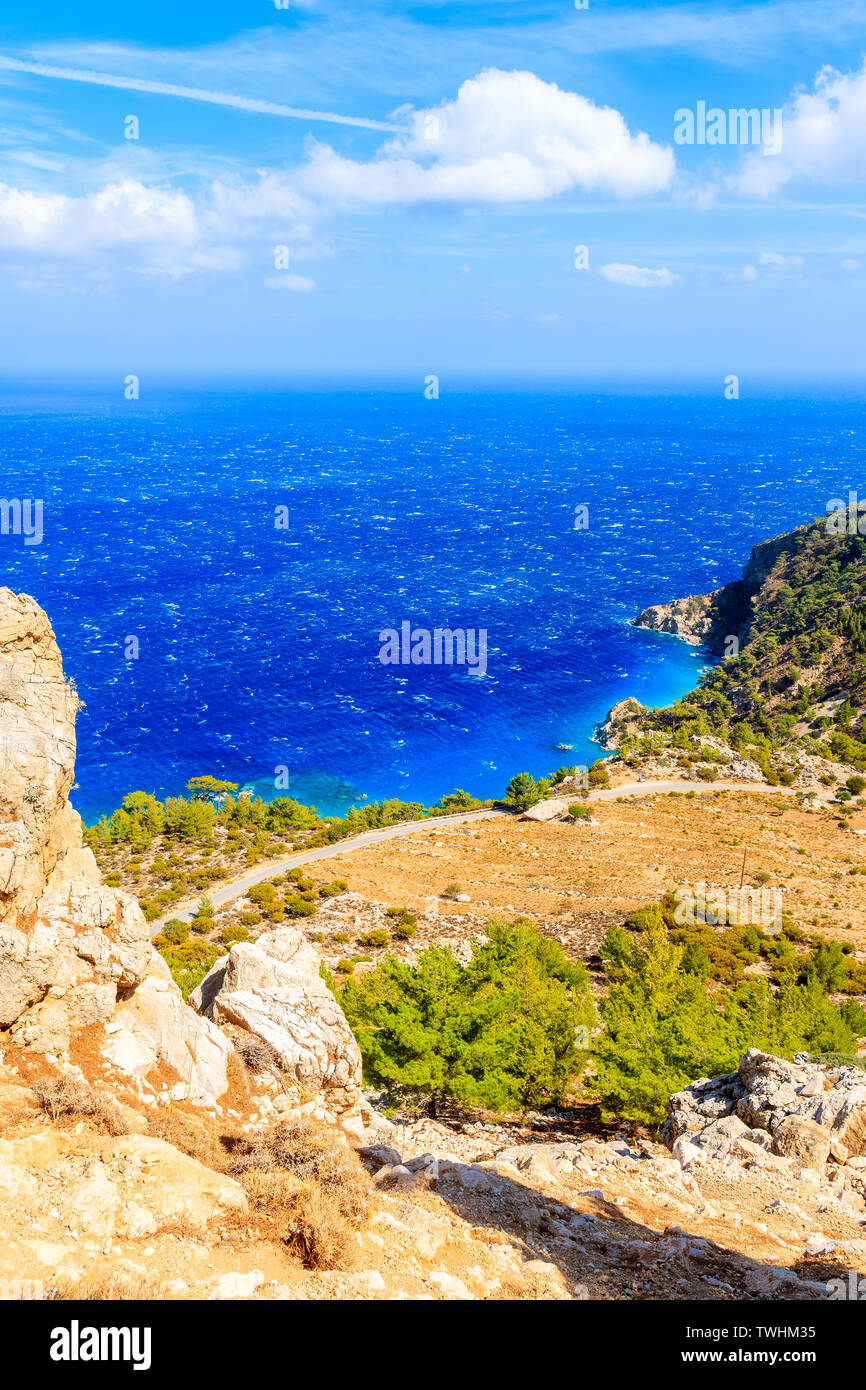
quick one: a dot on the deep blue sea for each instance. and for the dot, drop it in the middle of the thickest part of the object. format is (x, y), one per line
(258, 647)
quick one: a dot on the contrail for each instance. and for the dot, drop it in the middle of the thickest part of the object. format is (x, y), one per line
(169, 89)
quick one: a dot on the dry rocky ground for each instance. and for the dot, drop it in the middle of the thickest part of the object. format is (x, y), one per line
(578, 879)
(463, 1216)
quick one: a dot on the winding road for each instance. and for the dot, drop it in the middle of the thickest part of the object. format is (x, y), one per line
(237, 887)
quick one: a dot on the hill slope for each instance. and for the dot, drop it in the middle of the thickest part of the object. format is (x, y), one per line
(791, 635)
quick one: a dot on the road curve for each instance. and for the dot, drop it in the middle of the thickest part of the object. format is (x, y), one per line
(237, 887)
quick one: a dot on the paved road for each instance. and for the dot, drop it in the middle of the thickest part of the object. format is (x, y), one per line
(236, 887)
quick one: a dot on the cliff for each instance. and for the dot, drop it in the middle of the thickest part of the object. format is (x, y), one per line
(791, 684)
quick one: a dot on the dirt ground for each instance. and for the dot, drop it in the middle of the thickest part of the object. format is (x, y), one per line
(581, 878)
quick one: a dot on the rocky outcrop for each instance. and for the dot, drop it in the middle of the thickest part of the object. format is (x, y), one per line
(272, 991)
(618, 722)
(67, 943)
(803, 1110)
(693, 619)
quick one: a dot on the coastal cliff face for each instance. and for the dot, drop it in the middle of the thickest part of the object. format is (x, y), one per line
(693, 619)
(76, 955)
(789, 695)
(708, 619)
(67, 943)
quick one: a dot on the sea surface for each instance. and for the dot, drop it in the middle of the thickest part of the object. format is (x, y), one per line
(258, 646)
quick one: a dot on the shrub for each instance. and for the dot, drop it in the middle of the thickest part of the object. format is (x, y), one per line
(64, 1098)
(230, 935)
(342, 936)
(854, 784)
(175, 931)
(406, 927)
(578, 812)
(189, 962)
(345, 967)
(499, 1032)
(377, 937)
(599, 775)
(300, 907)
(333, 890)
(452, 890)
(308, 1188)
(250, 919)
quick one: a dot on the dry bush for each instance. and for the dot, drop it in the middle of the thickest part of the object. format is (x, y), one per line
(193, 1136)
(66, 1098)
(309, 1188)
(256, 1054)
(102, 1285)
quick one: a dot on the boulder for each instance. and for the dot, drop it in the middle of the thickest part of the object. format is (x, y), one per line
(547, 810)
(802, 1140)
(155, 1022)
(272, 990)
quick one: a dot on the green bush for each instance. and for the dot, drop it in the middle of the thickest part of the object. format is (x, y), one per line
(377, 937)
(175, 931)
(664, 1027)
(499, 1032)
(300, 907)
(229, 935)
(189, 962)
(406, 927)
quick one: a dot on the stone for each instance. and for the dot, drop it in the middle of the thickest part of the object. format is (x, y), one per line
(273, 990)
(67, 942)
(803, 1140)
(785, 1095)
(449, 1285)
(159, 1022)
(238, 1285)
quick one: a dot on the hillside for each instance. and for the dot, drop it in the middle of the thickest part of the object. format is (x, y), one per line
(790, 685)
(210, 1120)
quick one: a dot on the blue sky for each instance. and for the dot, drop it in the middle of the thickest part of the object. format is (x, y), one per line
(430, 170)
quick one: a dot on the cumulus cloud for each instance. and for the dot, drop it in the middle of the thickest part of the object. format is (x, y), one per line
(507, 137)
(158, 230)
(822, 138)
(637, 276)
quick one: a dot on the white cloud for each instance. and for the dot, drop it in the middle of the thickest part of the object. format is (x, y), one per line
(297, 284)
(638, 277)
(127, 224)
(822, 138)
(777, 262)
(850, 264)
(507, 137)
(750, 272)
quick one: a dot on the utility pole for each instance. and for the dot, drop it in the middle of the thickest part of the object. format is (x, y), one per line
(743, 870)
